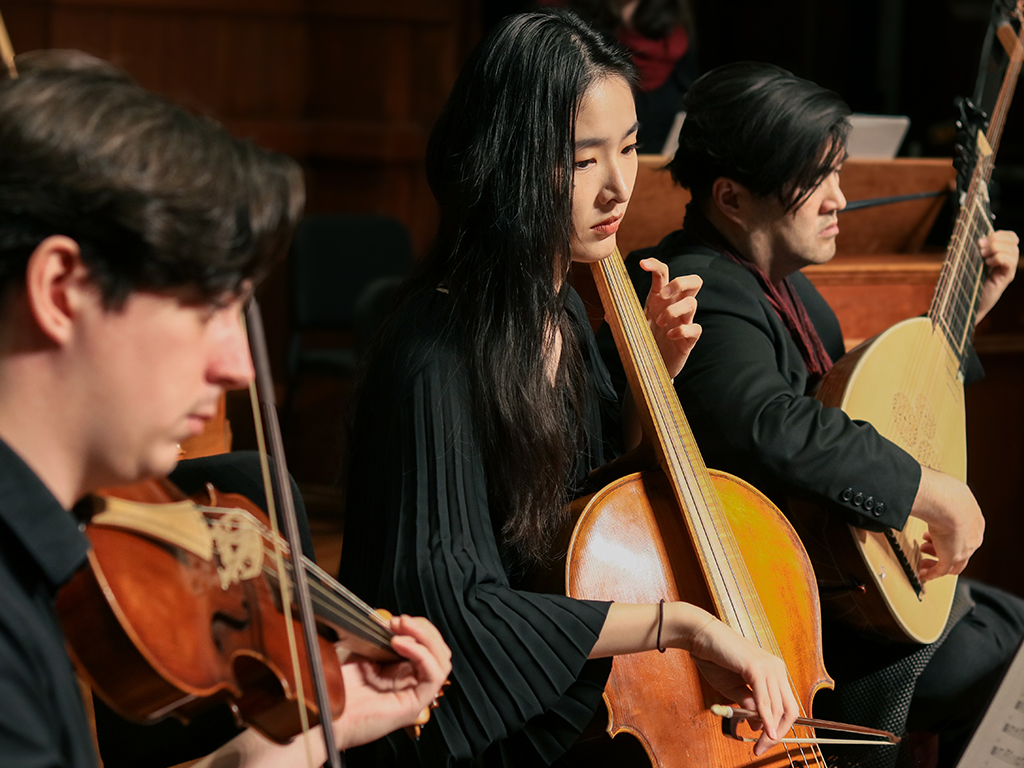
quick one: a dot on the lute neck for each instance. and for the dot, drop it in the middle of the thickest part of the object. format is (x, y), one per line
(954, 307)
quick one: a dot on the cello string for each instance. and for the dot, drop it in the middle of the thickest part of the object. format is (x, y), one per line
(635, 324)
(707, 494)
(702, 497)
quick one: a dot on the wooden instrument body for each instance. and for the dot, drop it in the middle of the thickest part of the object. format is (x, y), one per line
(155, 632)
(631, 545)
(907, 384)
(684, 533)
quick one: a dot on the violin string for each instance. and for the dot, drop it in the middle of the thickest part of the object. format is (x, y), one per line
(335, 598)
(654, 378)
(330, 595)
(344, 615)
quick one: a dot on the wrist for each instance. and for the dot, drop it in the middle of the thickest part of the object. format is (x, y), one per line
(683, 625)
(931, 504)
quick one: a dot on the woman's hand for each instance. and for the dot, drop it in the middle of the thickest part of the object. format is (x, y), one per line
(745, 673)
(669, 308)
(742, 671)
(380, 698)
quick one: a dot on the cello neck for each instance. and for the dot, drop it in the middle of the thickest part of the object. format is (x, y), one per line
(665, 426)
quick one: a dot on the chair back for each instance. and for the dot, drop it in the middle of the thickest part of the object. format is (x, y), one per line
(335, 257)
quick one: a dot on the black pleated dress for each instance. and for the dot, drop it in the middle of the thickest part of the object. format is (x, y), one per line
(420, 539)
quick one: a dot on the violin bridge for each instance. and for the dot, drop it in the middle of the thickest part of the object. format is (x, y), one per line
(239, 547)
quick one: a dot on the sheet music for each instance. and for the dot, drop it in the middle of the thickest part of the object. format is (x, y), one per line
(876, 137)
(672, 140)
(999, 740)
(872, 137)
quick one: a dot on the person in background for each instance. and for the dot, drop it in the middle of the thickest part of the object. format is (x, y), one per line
(659, 36)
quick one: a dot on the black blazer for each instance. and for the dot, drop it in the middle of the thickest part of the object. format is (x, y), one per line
(745, 391)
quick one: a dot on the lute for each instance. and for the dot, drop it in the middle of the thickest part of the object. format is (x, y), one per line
(908, 383)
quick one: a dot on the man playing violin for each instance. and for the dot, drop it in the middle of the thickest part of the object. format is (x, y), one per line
(131, 233)
(760, 152)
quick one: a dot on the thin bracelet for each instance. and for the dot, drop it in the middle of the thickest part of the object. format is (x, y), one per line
(661, 620)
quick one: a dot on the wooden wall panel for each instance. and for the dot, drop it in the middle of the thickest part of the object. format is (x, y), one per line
(227, 64)
(348, 88)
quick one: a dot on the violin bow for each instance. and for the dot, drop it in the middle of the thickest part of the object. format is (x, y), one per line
(267, 427)
(6, 49)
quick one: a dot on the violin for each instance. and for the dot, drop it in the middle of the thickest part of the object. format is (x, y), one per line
(181, 608)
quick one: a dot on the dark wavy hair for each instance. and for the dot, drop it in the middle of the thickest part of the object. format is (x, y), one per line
(155, 197)
(761, 126)
(500, 163)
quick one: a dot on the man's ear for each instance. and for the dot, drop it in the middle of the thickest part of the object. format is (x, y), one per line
(731, 199)
(56, 283)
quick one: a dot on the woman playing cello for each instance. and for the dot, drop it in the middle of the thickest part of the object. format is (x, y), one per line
(485, 405)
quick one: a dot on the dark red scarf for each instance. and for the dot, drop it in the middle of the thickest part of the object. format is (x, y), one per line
(782, 297)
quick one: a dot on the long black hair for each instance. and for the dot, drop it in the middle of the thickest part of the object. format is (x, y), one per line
(762, 126)
(500, 163)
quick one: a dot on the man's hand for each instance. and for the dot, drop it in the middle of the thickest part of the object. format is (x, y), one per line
(669, 309)
(1000, 251)
(381, 698)
(956, 526)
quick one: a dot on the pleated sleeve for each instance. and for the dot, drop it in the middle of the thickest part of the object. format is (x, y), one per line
(420, 539)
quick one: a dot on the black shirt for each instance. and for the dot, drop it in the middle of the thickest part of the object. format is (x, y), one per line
(42, 718)
(420, 539)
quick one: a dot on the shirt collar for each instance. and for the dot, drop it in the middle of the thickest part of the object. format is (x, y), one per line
(48, 532)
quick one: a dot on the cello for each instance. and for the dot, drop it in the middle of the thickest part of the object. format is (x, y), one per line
(682, 532)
